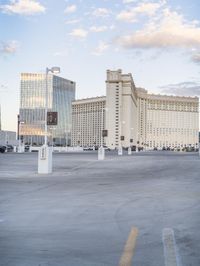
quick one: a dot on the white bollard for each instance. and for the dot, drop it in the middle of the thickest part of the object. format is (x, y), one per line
(21, 148)
(129, 151)
(101, 153)
(45, 160)
(120, 151)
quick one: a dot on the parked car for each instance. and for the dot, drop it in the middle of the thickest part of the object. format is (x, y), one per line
(133, 148)
(9, 148)
(2, 149)
(88, 148)
(106, 148)
(26, 147)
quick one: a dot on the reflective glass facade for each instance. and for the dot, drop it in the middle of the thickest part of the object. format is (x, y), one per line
(61, 92)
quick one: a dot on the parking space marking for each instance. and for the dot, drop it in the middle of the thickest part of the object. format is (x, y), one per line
(170, 249)
(128, 252)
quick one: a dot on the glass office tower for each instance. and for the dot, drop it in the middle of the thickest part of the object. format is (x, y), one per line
(61, 92)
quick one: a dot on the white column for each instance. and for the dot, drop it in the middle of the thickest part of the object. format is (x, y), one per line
(45, 160)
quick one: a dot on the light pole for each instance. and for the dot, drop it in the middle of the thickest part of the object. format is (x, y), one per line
(102, 127)
(79, 137)
(45, 152)
(101, 150)
(122, 138)
(54, 70)
(131, 141)
(19, 122)
(66, 138)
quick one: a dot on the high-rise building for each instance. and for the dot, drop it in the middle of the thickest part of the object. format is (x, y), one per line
(61, 93)
(121, 109)
(88, 121)
(133, 117)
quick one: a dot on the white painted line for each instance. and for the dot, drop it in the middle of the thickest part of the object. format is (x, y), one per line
(170, 248)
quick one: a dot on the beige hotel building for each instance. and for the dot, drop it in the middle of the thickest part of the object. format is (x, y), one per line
(133, 117)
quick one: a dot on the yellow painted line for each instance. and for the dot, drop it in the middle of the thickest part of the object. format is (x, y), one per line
(128, 252)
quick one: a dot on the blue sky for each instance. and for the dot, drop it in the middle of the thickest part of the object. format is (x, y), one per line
(157, 41)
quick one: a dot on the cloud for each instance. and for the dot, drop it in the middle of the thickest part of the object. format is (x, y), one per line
(129, 1)
(23, 7)
(187, 88)
(9, 48)
(98, 29)
(101, 12)
(79, 33)
(70, 9)
(170, 30)
(131, 14)
(62, 54)
(72, 21)
(101, 48)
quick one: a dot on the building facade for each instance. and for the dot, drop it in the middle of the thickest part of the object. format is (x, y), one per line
(61, 92)
(8, 137)
(121, 109)
(167, 121)
(88, 121)
(133, 117)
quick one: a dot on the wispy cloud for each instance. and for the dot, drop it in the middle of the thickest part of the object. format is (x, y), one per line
(72, 21)
(23, 7)
(70, 9)
(187, 88)
(101, 12)
(131, 14)
(99, 28)
(101, 48)
(129, 1)
(8, 48)
(62, 54)
(79, 33)
(167, 31)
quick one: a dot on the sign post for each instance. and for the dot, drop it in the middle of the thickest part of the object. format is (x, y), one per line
(45, 152)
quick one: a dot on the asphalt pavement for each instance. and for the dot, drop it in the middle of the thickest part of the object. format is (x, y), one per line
(141, 210)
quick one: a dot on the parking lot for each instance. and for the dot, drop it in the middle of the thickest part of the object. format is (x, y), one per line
(141, 210)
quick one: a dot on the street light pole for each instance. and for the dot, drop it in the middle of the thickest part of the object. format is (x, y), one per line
(54, 70)
(45, 152)
(120, 148)
(18, 122)
(46, 107)
(101, 150)
(102, 127)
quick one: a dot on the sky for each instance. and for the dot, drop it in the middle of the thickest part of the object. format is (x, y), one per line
(157, 41)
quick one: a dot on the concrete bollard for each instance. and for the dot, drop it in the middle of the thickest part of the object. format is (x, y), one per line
(129, 151)
(120, 151)
(101, 153)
